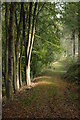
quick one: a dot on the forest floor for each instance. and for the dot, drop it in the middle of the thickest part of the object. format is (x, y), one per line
(51, 96)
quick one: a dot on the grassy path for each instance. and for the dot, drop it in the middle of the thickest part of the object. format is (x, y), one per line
(50, 97)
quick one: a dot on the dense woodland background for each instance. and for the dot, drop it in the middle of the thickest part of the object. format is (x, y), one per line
(34, 35)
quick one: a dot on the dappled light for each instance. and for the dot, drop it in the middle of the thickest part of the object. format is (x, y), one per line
(48, 96)
(43, 83)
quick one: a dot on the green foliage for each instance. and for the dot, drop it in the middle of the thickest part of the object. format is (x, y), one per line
(69, 18)
(73, 96)
(47, 39)
(70, 15)
(73, 72)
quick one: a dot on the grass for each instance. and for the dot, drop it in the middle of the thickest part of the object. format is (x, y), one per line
(73, 96)
(57, 68)
(30, 98)
(51, 88)
(35, 93)
(51, 96)
(73, 72)
(52, 91)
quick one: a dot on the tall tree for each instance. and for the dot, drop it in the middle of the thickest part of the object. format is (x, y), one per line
(28, 42)
(0, 64)
(11, 52)
(73, 43)
(30, 45)
(79, 32)
(17, 47)
(21, 51)
(6, 43)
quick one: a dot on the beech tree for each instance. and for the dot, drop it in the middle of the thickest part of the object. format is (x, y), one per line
(11, 52)
(79, 32)
(7, 37)
(18, 26)
(30, 42)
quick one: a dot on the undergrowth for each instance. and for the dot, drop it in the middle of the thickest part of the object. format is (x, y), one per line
(73, 71)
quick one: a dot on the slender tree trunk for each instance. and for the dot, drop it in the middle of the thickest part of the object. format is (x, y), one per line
(28, 66)
(73, 44)
(79, 47)
(11, 52)
(66, 51)
(29, 51)
(27, 47)
(18, 46)
(24, 26)
(79, 32)
(21, 52)
(14, 75)
(20, 58)
(20, 74)
(6, 43)
(17, 74)
(28, 74)
(0, 66)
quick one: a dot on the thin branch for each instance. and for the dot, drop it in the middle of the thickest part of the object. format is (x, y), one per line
(16, 20)
(40, 9)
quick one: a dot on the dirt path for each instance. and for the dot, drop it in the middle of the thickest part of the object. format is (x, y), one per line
(50, 97)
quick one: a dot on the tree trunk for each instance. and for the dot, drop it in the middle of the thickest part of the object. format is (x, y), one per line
(30, 45)
(18, 46)
(17, 74)
(27, 47)
(24, 26)
(28, 66)
(28, 75)
(11, 52)
(0, 66)
(14, 75)
(22, 41)
(6, 43)
(73, 44)
(20, 74)
(20, 58)
(79, 32)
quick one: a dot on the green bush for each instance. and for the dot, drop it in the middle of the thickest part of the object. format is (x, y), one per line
(73, 72)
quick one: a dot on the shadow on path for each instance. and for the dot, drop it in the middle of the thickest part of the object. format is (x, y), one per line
(49, 97)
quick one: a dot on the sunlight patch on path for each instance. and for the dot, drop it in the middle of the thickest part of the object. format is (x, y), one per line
(55, 63)
(41, 77)
(49, 96)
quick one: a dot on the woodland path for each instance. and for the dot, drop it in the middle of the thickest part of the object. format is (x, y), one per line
(51, 96)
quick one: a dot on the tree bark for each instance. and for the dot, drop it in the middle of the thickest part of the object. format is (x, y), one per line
(20, 74)
(28, 45)
(24, 26)
(18, 46)
(11, 52)
(6, 42)
(29, 50)
(79, 32)
(14, 74)
(73, 43)
(29, 57)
